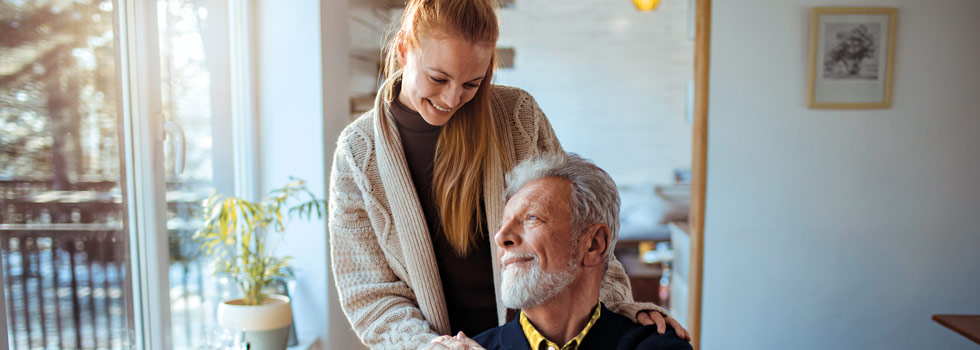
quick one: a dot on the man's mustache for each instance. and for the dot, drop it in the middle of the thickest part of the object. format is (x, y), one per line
(509, 258)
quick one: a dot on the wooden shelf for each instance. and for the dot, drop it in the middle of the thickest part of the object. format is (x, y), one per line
(966, 325)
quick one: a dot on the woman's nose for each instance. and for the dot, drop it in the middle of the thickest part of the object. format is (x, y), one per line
(451, 96)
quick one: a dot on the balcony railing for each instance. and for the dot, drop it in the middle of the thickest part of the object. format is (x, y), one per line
(65, 258)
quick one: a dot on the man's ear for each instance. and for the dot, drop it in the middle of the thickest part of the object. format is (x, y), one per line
(401, 47)
(596, 245)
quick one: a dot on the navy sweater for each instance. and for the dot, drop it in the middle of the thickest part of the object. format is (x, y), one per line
(611, 331)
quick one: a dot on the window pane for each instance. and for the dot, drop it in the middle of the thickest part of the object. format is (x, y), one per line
(191, 59)
(64, 245)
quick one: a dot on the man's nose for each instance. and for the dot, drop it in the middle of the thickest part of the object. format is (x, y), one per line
(508, 235)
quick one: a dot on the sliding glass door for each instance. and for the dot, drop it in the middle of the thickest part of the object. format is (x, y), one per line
(114, 125)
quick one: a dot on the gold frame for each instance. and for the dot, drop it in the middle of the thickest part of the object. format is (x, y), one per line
(889, 61)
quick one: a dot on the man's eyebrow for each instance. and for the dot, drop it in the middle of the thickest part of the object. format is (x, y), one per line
(450, 76)
(538, 209)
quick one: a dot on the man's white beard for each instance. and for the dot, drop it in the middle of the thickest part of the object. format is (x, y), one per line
(524, 287)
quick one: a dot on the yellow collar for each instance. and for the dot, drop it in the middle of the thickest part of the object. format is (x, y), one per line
(538, 341)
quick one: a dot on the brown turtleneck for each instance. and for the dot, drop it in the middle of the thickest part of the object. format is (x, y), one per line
(467, 281)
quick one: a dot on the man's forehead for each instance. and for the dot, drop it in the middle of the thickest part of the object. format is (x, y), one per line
(542, 192)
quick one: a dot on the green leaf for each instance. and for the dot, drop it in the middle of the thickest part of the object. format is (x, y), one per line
(234, 234)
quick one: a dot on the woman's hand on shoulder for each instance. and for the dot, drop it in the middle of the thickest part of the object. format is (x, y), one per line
(649, 317)
(459, 342)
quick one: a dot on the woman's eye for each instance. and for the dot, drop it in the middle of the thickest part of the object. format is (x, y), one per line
(531, 218)
(440, 81)
(471, 85)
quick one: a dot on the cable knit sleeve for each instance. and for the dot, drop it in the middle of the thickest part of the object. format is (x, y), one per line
(618, 296)
(532, 133)
(380, 306)
(534, 129)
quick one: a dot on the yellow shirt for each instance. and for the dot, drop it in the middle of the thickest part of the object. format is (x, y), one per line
(538, 341)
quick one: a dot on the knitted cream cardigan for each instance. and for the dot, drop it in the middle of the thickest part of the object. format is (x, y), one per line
(381, 252)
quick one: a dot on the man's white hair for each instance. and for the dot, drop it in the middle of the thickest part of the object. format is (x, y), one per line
(594, 197)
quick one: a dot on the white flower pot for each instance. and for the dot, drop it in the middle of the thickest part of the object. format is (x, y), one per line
(266, 326)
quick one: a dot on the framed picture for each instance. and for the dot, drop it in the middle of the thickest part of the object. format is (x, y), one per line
(851, 57)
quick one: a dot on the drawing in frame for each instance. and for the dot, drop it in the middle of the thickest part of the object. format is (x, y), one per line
(851, 57)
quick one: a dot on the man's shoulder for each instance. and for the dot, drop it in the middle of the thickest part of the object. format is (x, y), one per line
(614, 328)
(489, 339)
(510, 336)
(647, 338)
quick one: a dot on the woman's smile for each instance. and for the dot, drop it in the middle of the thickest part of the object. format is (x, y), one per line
(444, 110)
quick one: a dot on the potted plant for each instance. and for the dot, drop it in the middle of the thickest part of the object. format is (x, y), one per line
(236, 234)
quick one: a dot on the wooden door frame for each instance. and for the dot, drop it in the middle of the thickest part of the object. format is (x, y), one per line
(702, 48)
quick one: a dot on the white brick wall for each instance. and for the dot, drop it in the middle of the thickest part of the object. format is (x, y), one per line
(367, 22)
(611, 79)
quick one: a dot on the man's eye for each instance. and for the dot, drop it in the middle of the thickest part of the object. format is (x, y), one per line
(531, 218)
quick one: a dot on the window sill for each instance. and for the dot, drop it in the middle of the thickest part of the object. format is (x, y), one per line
(307, 344)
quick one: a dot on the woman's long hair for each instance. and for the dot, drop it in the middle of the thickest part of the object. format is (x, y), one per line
(469, 139)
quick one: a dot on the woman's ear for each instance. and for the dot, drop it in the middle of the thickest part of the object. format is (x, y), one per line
(596, 245)
(401, 47)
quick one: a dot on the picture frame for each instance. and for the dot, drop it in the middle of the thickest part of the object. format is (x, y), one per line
(851, 57)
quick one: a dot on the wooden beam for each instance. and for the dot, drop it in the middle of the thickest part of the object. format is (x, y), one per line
(702, 47)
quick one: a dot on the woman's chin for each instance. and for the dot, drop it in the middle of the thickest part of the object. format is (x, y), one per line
(436, 120)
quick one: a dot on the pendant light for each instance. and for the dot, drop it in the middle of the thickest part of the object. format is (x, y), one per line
(646, 5)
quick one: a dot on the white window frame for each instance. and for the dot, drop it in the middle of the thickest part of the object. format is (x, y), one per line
(244, 120)
(145, 172)
(3, 309)
(139, 72)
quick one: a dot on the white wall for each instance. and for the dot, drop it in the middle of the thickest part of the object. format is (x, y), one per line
(611, 79)
(302, 107)
(841, 229)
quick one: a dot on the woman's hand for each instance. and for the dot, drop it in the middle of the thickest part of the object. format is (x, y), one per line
(459, 342)
(648, 317)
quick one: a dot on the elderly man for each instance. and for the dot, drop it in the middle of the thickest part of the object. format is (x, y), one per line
(558, 232)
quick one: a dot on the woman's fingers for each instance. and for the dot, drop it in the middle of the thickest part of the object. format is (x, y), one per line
(434, 345)
(681, 332)
(647, 318)
(643, 319)
(659, 320)
(472, 344)
(438, 343)
(446, 342)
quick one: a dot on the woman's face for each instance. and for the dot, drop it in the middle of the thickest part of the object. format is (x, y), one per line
(441, 75)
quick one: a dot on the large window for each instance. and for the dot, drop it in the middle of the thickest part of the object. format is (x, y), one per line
(97, 207)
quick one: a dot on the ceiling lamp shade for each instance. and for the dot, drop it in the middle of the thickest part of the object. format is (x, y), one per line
(646, 5)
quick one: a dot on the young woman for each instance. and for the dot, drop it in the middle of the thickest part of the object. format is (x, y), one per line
(417, 181)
